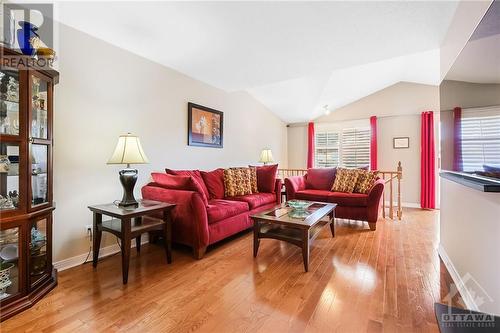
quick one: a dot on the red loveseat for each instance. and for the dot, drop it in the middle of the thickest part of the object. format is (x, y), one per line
(203, 216)
(316, 186)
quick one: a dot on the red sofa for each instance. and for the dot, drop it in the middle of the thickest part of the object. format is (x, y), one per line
(203, 216)
(316, 186)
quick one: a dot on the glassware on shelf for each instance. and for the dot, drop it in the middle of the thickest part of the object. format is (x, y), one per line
(13, 90)
(9, 103)
(39, 108)
(15, 127)
(39, 156)
(5, 278)
(9, 174)
(4, 164)
(38, 249)
(9, 257)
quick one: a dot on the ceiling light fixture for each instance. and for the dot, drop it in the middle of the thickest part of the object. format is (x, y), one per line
(327, 109)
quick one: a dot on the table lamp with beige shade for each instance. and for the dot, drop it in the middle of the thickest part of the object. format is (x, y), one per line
(128, 151)
(266, 156)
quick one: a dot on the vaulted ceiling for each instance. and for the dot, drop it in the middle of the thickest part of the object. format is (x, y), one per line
(295, 57)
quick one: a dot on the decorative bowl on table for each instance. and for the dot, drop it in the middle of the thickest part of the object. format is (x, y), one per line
(298, 214)
(299, 205)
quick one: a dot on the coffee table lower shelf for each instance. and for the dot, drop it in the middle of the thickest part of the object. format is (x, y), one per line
(297, 233)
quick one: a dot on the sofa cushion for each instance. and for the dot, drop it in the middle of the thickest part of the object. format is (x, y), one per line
(193, 173)
(266, 178)
(253, 179)
(365, 181)
(222, 209)
(214, 181)
(348, 199)
(345, 180)
(320, 178)
(313, 195)
(256, 200)
(173, 182)
(237, 181)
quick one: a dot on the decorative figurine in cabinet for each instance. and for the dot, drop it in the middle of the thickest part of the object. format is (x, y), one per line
(26, 138)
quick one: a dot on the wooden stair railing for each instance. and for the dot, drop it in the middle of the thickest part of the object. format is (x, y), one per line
(388, 176)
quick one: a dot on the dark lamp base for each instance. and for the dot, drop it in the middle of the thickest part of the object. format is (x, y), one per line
(128, 178)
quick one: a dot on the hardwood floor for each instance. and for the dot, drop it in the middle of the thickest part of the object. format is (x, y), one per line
(361, 280)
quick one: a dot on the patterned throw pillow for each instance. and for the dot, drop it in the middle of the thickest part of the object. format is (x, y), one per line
(237, 182)
(365, 181)
(345, 180)
(253, 179)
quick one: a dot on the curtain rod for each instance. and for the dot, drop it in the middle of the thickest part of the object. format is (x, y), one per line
(346, 120)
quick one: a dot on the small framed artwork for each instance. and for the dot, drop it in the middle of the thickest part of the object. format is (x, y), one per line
(401, 143)
(205, 126)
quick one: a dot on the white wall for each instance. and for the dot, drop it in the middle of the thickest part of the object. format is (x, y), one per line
(105, 91)
(398, 108)
(468, 95)
(470, 234)
(467, 16)
(297, 146)
(465, 95)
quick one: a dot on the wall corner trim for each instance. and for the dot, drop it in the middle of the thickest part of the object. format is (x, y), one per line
(457, 279)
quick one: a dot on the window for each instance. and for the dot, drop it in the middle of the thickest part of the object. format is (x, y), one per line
(355, 148)
(327, 150)
(480, 138)
(350, 148)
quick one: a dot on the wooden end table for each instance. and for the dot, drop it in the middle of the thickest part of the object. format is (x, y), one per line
(300, 229)
(128, 223)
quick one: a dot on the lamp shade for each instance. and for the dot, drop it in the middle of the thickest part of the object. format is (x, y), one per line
(128, 151)
(266, 156)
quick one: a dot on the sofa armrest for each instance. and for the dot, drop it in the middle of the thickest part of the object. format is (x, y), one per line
(374, 200)
(189, 217)
(278, 186)
(293, 185)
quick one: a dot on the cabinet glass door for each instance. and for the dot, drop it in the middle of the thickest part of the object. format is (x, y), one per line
(9, 176)
(39, 250)
(39, 108)
(9, 263)
(9, 102)
(39, 159)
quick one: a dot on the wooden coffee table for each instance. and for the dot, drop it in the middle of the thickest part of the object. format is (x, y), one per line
(285, 224)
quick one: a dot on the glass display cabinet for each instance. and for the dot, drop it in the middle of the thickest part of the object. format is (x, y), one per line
(26, 113)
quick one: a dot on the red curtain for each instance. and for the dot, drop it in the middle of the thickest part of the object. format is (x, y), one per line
(373, 143)
(310, 145)
(427, 162)
(457, 140)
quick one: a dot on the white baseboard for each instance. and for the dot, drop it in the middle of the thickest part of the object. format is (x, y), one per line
(79, 259)
(457, 279)
(404, 204)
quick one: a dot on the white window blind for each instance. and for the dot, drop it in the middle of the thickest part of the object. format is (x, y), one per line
(327, 150)
(480, 137)
(355, 148)
(350, 148)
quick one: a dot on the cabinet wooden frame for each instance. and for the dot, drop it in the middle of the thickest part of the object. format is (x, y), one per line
(26, 214)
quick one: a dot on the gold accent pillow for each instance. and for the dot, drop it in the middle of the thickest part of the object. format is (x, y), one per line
(365, 181)
(253, 179)
(237, 182)
(345, 180)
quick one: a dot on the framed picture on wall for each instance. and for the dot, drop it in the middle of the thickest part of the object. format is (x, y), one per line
(205, 126)
(401, 143)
